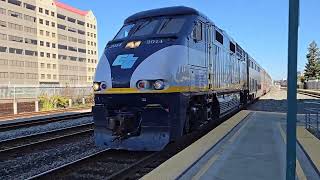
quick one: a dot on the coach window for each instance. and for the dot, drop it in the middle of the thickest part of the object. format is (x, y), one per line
(219, 37)
(197, 32)
(232, 47)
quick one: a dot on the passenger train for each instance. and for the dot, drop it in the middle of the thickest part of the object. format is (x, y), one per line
(166, 72)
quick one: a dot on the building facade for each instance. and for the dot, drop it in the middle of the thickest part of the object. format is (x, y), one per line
(46, 42)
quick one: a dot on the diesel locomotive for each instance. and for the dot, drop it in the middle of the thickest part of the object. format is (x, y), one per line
(166, 72)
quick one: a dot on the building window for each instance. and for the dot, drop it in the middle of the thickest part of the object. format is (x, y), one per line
(81, 32)
(41, 32)
(41, 54)
(15, 38)
(53, 24)
(81, 23)
(42, 76)
(82, 50)
(54, 76)
(30, 18)
(49, 66)
(81, 41)
(70, 48)
(47, 23)
(71, 20)
(3, 49)
(3, 36)
(40, 10)
(48, 44)
(30, 53)
(72, 58)
(52, 14)
(62, 37)
(47, 33)
(94, 26)
(60, 26)
(3, 24)
(54, 66)
(72, 39)
(30, 41)
(41, 21)
(88, 25)
(14, 14)
(53, 35)
(72, 29)
(15, 26)
(60, 16)
(60, 46)
(29, 6)
(41, 43)
(48, 55)
(4, 75)
(15, 51)
(53, 45)
(30, 30)
(54, 56)
(15, 2)
(47, 12)
(3, 11)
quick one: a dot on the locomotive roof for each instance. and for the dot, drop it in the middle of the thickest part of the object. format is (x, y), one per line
(168, 11)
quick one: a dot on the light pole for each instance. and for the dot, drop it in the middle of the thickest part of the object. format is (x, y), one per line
(292, 88)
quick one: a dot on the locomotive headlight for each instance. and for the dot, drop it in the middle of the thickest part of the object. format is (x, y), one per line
(158, 85)
(133, 44)
(96, 86)
(143, 84)
(103, 86)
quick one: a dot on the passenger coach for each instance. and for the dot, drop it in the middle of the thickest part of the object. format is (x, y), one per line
(166, 72)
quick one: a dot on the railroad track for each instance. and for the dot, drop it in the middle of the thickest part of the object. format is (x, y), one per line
(309, 93)
(21, 143)
(40, 121)
(117, 164)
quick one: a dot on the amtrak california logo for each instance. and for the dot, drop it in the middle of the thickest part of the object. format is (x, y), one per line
(126, 61)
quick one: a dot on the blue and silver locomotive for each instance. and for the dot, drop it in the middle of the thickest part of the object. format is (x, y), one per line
(166, 72)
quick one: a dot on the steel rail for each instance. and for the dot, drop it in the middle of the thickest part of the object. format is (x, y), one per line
(39, 121)
(15, 144)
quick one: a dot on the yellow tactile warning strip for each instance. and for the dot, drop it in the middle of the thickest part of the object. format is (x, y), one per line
(176, 165)
(310, 144)
(299, 171)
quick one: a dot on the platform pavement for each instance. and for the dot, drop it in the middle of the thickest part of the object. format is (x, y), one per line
(250, 145)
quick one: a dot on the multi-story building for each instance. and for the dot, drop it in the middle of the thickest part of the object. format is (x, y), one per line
(46, 42)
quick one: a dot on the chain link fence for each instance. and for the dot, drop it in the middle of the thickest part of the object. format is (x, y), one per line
(18, 99)
(33, 92)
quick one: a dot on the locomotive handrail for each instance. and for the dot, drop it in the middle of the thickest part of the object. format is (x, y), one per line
(312, 120)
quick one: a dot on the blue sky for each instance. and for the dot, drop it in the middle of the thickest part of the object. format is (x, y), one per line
(260, 26)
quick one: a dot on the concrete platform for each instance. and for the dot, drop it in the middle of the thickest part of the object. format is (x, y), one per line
(250, 145)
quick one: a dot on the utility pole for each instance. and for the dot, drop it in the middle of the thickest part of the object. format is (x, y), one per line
(292, 88)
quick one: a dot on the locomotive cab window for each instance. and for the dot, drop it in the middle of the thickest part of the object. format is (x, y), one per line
(124, 31)
(145, 28)
(197, 32)
(171, 26)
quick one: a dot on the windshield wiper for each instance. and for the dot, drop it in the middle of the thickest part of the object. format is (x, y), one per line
(165, 24)
(141, 26)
